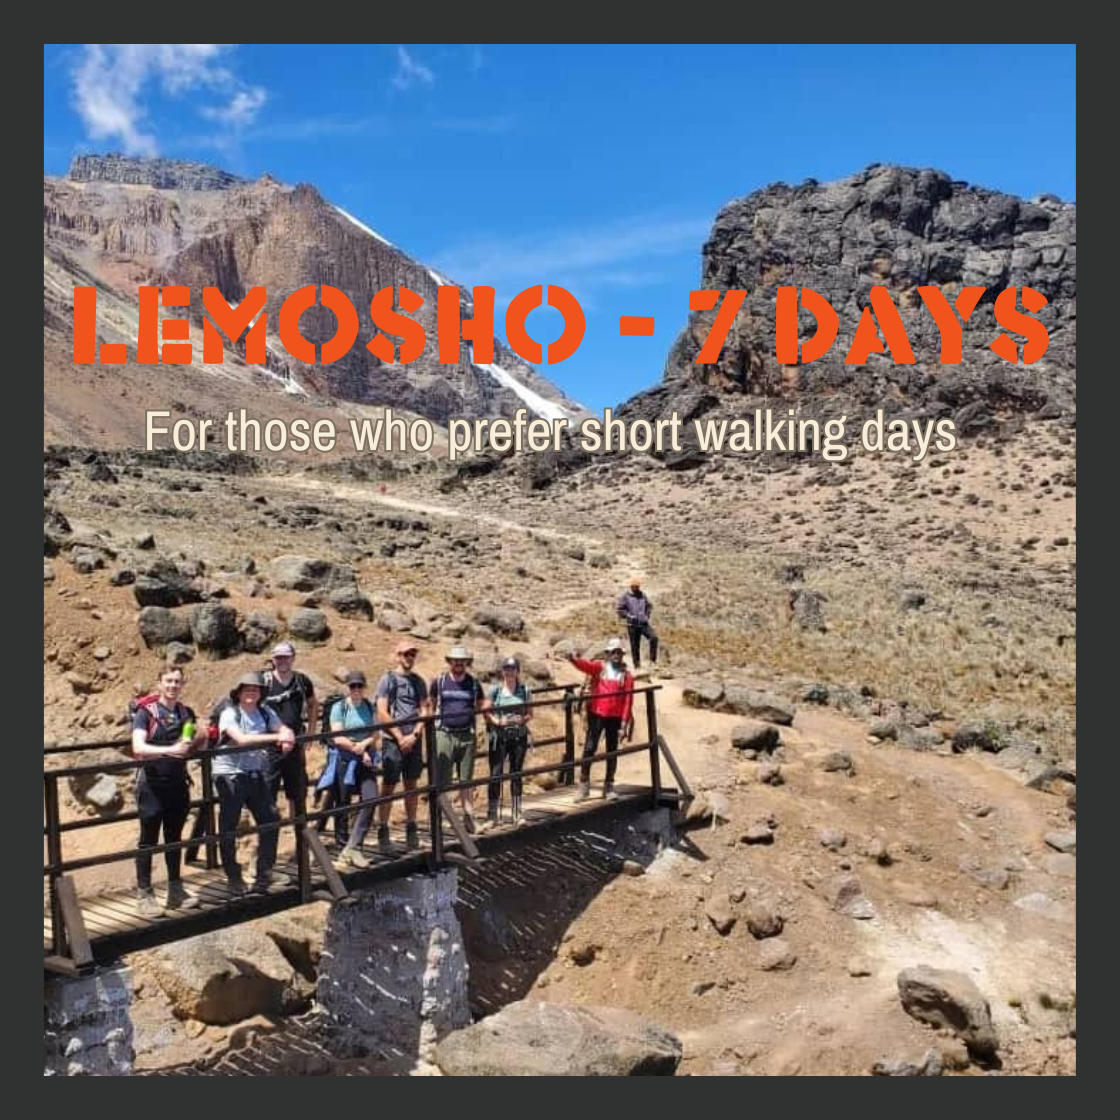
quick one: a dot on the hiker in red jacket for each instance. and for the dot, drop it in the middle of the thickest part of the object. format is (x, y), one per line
(608, 712)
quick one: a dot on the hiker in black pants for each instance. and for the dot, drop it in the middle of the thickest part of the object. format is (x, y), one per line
(509, 715)
(291, 695)
(634, 608)
(163, 735)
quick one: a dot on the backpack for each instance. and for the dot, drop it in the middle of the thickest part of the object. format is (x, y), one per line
(213, 735)
(147, 702)
(325, 712)
(437, 692)
(294, 689)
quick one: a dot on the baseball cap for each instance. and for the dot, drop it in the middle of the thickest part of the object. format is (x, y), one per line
(615, 644)
(511, 663)
(406, 647)
(284, 649)
(355, 676)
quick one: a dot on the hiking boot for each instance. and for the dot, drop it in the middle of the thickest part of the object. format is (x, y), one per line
(384, 842)
(179, 898)
(412, 835)
(609, 793)
(147, 906)
(275, 878)
(584, 791)
(235, 887)
(353, 858)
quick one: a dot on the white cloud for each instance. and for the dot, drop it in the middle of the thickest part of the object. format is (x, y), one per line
(112, 84)
(241, 110)
(615, 255)
(410, 72)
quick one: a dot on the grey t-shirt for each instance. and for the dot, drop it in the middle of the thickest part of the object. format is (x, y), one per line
(259, 722)
(405, 693)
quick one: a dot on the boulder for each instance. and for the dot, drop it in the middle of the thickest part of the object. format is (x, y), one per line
(775, 955)
(553, 1039)
(944, 998)
(310, 624)
(845, 896)
(760, 705)
(214, 629)
(303, 573)
(159, 626)
(506, 624)
(228, 975)
(755, 737)
(349, 601)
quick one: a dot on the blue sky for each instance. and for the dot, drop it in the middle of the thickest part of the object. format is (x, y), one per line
(599, 168)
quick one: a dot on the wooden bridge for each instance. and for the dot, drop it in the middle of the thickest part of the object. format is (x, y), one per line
(83, 931)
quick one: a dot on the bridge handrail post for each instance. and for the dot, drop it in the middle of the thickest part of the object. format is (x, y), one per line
(54, 856)
(654, 752)
(303, 861)
(568, 776)
(435, 822)
(206, 764)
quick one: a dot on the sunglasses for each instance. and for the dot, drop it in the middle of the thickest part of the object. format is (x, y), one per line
(357, 686)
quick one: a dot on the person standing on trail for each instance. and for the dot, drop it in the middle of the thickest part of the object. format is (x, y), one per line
(456, 699)
(509, 713)
(634, 608)
(401, 695)
(291, 695)
(164, 732)
(608, 712)
(241, 779)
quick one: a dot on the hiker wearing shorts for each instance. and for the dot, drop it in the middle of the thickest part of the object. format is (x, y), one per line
(635, 609)
(608, 713)
(509, 716)
(401, 695)
(354, 720)
(241, 779)
(163, 736)
(456, 698)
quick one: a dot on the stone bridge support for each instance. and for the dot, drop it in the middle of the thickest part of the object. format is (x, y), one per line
(87, 1029)
(393, 971)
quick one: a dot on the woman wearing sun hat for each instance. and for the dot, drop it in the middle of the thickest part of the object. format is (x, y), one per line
(457, 698)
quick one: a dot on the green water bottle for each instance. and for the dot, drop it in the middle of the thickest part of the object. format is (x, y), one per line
(188, 730)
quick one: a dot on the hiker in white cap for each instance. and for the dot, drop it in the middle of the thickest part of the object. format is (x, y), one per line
(608, 712)
(457, 698)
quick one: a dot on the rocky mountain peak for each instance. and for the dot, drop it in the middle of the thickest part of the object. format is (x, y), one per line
(166, 174)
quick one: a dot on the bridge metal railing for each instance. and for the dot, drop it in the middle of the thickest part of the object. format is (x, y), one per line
(71, 950)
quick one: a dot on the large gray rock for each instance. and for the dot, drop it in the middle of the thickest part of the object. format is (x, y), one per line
(261, 630)
(944, 998)
(160, 626)
(702, 694)
(845, 896)
(506, 624)
(310, 624)
(228, 975)
(755, 737)
(214, 629)
(303, 573)
(349, 601)
(759, 705)
(528, 1039)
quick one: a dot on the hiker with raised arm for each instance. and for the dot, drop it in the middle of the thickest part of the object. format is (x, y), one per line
(401, 695)
(509, 716)
(164, 732)
(241, 779)
(456, 699)
(608, 713)
(635, 609)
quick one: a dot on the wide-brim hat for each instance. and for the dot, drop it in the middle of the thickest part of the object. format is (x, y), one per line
(459, 653)
(255, 680)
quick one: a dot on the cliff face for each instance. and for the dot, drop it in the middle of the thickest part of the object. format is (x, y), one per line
(125, 222)
(897, 227)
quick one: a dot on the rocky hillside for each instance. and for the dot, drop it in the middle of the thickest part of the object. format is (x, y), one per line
(893, 226)
(120, 222)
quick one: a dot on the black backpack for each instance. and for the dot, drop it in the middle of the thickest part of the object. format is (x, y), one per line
(213, 735)
(325, 712)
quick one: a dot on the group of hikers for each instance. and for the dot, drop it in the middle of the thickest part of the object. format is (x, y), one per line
(369, 740)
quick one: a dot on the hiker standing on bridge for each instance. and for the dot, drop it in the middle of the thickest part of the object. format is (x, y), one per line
(355, 723)
(608, 712)
(508, 714)
(163, 735)
(401, 695)
(456, 698)
(634, 608)
(291, 695)
(241, 779)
